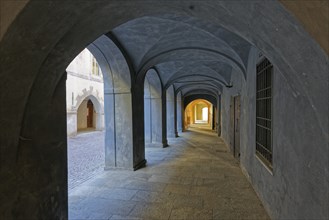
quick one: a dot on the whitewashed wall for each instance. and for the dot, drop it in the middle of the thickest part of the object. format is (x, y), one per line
(82, 85)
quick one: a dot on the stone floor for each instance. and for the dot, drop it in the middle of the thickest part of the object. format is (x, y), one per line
(194, 178)
(85, 157)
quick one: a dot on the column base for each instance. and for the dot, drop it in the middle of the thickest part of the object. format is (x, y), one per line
(136, 167)
(107, 168)
(140, 165)
(165, 144)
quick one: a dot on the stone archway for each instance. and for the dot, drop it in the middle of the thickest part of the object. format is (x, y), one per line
(63, 29)
(153, 111)
(89, 114)
(194, 114)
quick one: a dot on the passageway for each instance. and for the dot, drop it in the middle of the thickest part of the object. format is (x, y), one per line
(254, 72)
(195, 178)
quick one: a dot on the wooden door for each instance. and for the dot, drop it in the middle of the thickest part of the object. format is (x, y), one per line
(232, 125)
(90, 114)
(237, 107)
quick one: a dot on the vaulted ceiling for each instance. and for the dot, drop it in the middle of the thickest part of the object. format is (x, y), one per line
(186, 52)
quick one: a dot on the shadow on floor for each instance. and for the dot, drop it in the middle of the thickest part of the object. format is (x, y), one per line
(194, 178)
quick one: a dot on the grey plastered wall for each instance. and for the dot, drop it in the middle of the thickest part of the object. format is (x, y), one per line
(225, 104)
(298, 186)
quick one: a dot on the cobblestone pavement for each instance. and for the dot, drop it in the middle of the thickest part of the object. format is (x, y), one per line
(85, 157)
(194, 178)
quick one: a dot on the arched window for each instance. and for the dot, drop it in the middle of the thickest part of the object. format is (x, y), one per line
(95, 67)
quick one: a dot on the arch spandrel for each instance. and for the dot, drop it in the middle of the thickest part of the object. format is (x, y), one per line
(120, 75)
(103, 65)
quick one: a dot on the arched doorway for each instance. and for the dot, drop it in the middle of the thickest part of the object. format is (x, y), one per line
(198, 113)
(88, 117)
(90, 114)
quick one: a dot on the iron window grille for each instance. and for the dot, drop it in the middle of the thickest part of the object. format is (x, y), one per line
(264, 86)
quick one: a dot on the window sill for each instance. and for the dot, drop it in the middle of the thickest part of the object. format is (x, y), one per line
(264, 163)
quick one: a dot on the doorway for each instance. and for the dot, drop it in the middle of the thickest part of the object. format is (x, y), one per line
(235, 107)
(90, 114)
(199, 113)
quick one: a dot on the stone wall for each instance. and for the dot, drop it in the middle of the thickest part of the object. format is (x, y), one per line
(297, 188)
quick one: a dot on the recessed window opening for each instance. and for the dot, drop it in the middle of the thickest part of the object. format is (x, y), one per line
(95, 67)
(264, 122)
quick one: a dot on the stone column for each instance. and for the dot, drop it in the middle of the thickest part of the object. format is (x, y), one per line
(171, 112)
(183, 115)
(175, 115)
(110, 143)
(164, 118)
(147, 119)
(138, 126)
(124, 130)
(124, 147)
(179, 113)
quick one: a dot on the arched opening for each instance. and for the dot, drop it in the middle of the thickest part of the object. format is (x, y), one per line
(153, 112)
(33, 153)
(199, 114)
(86, 116)
(85, 119)
(106, 147)
(90, 114)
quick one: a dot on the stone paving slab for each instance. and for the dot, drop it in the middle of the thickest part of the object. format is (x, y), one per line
(192, 181)
(85, 157)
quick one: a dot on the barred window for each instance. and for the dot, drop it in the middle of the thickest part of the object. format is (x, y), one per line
(264, 112)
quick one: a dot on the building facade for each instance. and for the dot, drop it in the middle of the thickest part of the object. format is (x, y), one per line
(84, 94)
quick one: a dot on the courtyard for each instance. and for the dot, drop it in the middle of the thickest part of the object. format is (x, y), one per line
(85, 157)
